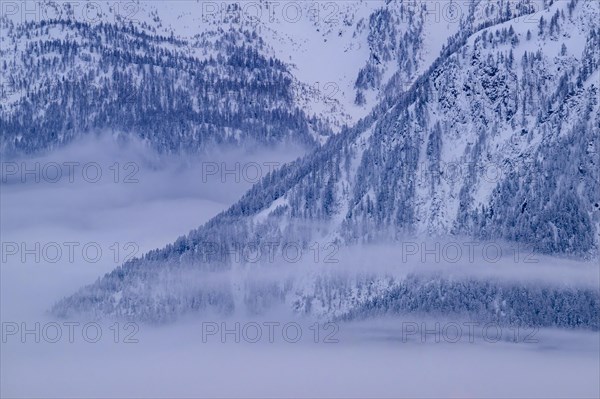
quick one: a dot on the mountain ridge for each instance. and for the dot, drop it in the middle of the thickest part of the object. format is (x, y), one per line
(497, 100)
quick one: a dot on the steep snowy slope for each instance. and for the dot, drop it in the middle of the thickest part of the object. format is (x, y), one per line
(496, 115)
(497, 140)
(179, 74)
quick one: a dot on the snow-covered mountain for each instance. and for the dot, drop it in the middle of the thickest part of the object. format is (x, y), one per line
(497, 138)
(186, 75)
(70, 78)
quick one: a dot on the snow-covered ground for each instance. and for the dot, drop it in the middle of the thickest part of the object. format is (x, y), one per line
(195, 358)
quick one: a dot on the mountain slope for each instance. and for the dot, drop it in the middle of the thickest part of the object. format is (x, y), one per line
(75, 77)
(497, 140)
(185, 76)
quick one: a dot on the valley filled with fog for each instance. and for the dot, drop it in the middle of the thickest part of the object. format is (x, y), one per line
(384, 198)
(275, 353)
